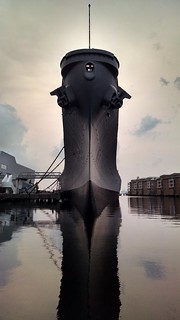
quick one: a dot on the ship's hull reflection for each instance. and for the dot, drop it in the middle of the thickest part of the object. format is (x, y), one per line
(90, 287)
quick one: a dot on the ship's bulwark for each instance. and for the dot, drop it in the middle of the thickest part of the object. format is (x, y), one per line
(90, 99)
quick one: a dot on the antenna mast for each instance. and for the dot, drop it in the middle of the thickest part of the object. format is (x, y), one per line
(89, 26)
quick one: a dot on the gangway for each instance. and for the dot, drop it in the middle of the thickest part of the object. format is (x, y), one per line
(39, 175)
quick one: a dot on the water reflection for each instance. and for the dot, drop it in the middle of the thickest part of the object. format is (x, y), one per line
(11, 219)
(90, 285)
(153, 269)
(87, 265)
(165, 206)
(52, 258)
(149, 258)
(30, 262)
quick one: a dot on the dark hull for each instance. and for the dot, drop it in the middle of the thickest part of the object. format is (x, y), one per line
(90, 99)
(90, 286)
(90, 200)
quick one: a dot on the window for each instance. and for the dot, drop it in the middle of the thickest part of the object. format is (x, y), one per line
(171, 183)
(135, 185)
(159, 184)
(148, 184)
(140, 185)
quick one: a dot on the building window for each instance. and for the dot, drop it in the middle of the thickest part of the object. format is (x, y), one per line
(171, 183)
(148, 184)
(159, 184)
(140, 184)
(3, 166)
(135, 185)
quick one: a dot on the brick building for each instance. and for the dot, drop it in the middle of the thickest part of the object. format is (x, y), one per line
(165, 206)
(165, 185)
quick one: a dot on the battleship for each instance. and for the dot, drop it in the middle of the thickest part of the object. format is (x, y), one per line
(90, 98)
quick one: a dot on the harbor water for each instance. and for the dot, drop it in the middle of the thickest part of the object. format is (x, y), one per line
(125, 265)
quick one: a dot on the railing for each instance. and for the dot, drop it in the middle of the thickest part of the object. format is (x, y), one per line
(39, 175)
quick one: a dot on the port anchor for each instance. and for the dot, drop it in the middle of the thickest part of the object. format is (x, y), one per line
(65, 96)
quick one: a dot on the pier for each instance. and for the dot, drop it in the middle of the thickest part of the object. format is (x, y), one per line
(39, 197)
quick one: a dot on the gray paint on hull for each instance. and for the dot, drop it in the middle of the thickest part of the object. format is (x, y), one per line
(90, 99)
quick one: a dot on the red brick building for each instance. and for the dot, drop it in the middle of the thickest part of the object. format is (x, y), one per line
(165, 185)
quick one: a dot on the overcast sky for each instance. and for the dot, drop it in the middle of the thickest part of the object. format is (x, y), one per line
(144, 36)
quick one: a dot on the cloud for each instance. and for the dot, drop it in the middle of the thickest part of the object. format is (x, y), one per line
(153, 270)
(164, 82)
(177, 83)
(12, 131)
(147, 124)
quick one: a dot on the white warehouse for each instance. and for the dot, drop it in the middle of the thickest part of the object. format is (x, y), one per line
(9, 174)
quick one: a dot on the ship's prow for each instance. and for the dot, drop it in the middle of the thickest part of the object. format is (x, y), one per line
(90, 99)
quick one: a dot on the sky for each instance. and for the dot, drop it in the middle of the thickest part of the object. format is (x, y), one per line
(143, 35)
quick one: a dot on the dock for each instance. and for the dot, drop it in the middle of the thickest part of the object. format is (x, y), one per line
(39, 197)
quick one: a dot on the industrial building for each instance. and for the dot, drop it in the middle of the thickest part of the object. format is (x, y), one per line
(165, 185)
(10, 171)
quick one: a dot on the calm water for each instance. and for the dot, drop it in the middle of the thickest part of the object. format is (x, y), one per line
(52, 266)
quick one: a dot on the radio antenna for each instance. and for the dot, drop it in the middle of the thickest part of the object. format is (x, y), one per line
(89, 26)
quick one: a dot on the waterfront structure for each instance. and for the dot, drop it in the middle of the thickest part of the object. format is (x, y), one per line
(168, 206)
(9, 174)
(90, 99)
(165, 185)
